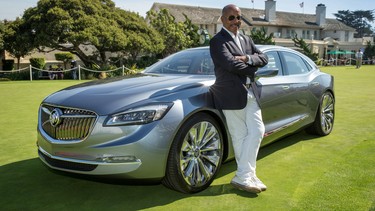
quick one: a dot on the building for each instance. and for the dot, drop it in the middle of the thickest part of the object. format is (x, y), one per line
(323, 34)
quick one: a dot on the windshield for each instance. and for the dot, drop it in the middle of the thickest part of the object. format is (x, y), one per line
(192, 61)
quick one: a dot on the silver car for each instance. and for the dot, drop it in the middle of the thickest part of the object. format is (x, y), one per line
(160, 124)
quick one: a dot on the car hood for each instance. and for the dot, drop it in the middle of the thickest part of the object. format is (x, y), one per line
(116, 94)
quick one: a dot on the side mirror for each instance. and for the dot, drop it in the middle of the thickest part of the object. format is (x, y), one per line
(266, 72)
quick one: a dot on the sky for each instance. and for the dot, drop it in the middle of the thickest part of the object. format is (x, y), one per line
(10, 9)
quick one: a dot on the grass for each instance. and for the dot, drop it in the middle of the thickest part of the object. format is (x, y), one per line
(302, 172)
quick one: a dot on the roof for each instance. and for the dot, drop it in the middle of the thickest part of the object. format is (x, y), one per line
(198, 15)
(253, 17)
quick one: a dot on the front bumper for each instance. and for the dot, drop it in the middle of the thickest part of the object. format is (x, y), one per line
(85, 166)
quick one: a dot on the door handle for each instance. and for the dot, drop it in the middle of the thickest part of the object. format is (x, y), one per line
(285, 87)
(315, 83)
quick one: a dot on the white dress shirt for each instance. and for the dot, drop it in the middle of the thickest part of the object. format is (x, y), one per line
(236, 38)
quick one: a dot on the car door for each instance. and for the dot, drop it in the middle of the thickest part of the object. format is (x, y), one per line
(283, 97)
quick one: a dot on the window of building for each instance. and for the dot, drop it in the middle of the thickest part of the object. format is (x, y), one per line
(294, 33)
(203, 26)
(280, 31)
(288, 33)
(346, 36)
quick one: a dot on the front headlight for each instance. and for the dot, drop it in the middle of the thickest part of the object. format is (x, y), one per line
(139, 115)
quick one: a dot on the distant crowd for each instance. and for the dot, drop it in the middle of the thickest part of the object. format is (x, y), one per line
(58, 72)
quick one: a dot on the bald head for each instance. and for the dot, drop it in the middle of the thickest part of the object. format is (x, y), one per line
(229, 8)
(231, 18)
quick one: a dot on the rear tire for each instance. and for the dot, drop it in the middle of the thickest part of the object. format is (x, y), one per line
(325, 116)
(195, 156)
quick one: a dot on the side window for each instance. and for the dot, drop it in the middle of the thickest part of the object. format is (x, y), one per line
(294, 64)
(273, 61)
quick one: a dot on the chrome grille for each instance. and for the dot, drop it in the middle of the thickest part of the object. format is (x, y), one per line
(74, 124)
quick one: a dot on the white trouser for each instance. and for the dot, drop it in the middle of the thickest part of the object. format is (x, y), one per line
(246, 129)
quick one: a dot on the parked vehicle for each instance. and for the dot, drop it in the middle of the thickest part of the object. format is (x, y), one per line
(160, 124)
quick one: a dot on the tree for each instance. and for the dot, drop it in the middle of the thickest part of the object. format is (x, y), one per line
(357, 19)
(369, 51)
(84, 28)
(2, 31)
(306, 49)
(191, 31)
(142, 38)
(260, 37)
(175, 34)
(17, 39)
(93, 30)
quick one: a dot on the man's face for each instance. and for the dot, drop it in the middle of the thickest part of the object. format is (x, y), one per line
(232, 19)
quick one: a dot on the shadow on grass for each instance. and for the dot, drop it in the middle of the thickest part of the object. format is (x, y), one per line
(29, 184)
(269, 149)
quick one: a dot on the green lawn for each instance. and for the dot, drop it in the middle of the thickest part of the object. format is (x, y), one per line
(302, 172)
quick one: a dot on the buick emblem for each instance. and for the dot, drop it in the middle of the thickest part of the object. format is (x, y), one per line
(55, 117)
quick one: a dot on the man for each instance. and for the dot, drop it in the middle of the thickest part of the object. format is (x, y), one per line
(358, 57)
(236, 59)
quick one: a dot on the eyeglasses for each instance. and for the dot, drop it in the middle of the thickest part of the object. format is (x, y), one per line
(232, 17)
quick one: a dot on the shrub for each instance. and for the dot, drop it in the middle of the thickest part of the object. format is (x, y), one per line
(37, 63)
(65, 57)
(8, 64)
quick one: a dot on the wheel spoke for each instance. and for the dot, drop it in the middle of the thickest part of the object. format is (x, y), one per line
(205, 171)
(188, 167)
(193, 136)
(202, 133)
(213, 158)
(210, 134)
(186, 156)
(198, 176)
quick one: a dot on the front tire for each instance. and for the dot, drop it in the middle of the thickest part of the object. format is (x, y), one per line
(195, 156)
(325, 116)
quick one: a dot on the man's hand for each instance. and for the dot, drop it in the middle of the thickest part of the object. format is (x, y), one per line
(242, 58)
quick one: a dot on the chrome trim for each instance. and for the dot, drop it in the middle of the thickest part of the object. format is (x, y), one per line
(276, 130)
(55, 117)
(45, 110)
(72, 124)
(84, 161)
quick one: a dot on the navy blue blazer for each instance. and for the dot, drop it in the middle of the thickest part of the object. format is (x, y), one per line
(228, 91)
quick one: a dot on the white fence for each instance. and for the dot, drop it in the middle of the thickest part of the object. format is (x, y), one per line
(79, 69)
(340, 62)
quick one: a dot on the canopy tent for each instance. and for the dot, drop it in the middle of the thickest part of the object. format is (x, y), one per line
(335, 52)
(348, 52)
